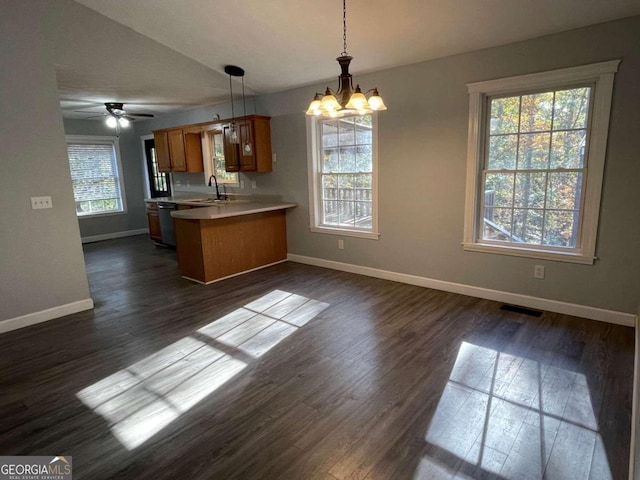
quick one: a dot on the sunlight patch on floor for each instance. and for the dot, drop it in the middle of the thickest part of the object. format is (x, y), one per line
(142, 399)
(510, 416)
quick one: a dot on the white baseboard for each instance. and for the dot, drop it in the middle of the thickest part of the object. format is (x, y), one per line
(610, 316)
(44, 315)
(110, 236)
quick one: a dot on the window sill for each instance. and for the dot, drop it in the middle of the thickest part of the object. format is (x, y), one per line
(345, 233)
(554, 255)
(98, 215)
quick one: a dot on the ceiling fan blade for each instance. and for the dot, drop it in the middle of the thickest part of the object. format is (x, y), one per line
(89, 113)
(140, 114)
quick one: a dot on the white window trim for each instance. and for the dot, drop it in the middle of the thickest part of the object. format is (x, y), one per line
(104, 140)
(600, 75)
(315, 189)
(145, 172)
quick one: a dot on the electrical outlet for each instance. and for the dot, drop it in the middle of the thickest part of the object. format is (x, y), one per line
(38, 203)
(538, 271)
(273, 157)
(254, 184)
(241, 183)
(341, 244)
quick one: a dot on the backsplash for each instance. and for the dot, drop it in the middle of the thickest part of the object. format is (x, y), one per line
(189, 183)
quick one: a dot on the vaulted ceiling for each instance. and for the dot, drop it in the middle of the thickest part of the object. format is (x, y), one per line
(283, 44)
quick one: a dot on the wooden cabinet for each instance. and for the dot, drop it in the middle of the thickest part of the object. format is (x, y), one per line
(154, 221)
(179, 150)
(253, 151)
(161, 140)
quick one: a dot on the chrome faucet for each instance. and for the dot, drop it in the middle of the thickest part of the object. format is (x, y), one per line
(215, 180)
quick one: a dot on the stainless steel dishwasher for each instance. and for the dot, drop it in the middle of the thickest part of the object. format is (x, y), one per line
(167, 231)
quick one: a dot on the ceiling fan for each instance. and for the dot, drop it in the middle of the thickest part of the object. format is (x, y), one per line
(117, 116)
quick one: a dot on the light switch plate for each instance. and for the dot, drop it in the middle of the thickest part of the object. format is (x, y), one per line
(38, 203)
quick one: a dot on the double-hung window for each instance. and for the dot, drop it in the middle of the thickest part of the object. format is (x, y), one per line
(96, 175)
(343, 175)
(537, 148)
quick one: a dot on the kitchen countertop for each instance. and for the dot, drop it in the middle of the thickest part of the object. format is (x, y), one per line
(230, 209)
(193, 200)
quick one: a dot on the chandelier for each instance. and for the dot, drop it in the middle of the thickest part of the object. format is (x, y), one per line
(346, 100)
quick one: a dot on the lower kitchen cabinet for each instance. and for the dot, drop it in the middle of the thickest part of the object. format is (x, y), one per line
(154, 221)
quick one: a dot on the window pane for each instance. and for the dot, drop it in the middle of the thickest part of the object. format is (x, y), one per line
(347, 159)
(363, 135)
(536, 112)
(94, 176)
(571, 108)
(364, 158)
(567, 149)
(497, 224)
(347, 165)
(330, 133)
(330, 213)
(559, 228)
(527, 226)
(533, 151)
(346, 132)
(502, 152)
(330, 162)
(530, 189)
(330, 187)
(505, 113)
(346, 213)
(363, 214)
(345, 187)
(498, 190)
(111, 204)
(564, 190)
(363, 187)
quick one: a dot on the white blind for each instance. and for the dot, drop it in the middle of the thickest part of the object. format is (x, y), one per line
(94, 174)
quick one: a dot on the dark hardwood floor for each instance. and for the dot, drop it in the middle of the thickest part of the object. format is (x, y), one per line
(298, 372)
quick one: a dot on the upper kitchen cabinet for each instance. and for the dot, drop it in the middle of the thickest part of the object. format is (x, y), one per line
(179, 149)
(252, 153)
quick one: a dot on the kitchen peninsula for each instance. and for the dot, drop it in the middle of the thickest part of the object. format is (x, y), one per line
(227, 239)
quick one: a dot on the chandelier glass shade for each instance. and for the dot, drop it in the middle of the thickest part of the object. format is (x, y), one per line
(346, 100)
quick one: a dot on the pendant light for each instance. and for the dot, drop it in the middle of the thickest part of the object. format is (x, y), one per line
(247, 144)
(346, 100)
(234, 71)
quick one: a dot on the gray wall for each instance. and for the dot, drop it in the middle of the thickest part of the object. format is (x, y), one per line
(422, 168)
(41, 265)
(133, 172)
(422, 162)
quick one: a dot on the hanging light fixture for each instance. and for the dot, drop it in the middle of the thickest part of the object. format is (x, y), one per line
(346, 100)
(234, 71)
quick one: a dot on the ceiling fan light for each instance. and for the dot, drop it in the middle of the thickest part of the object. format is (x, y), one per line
(112, 121)
(123, 122)
(375, 101)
